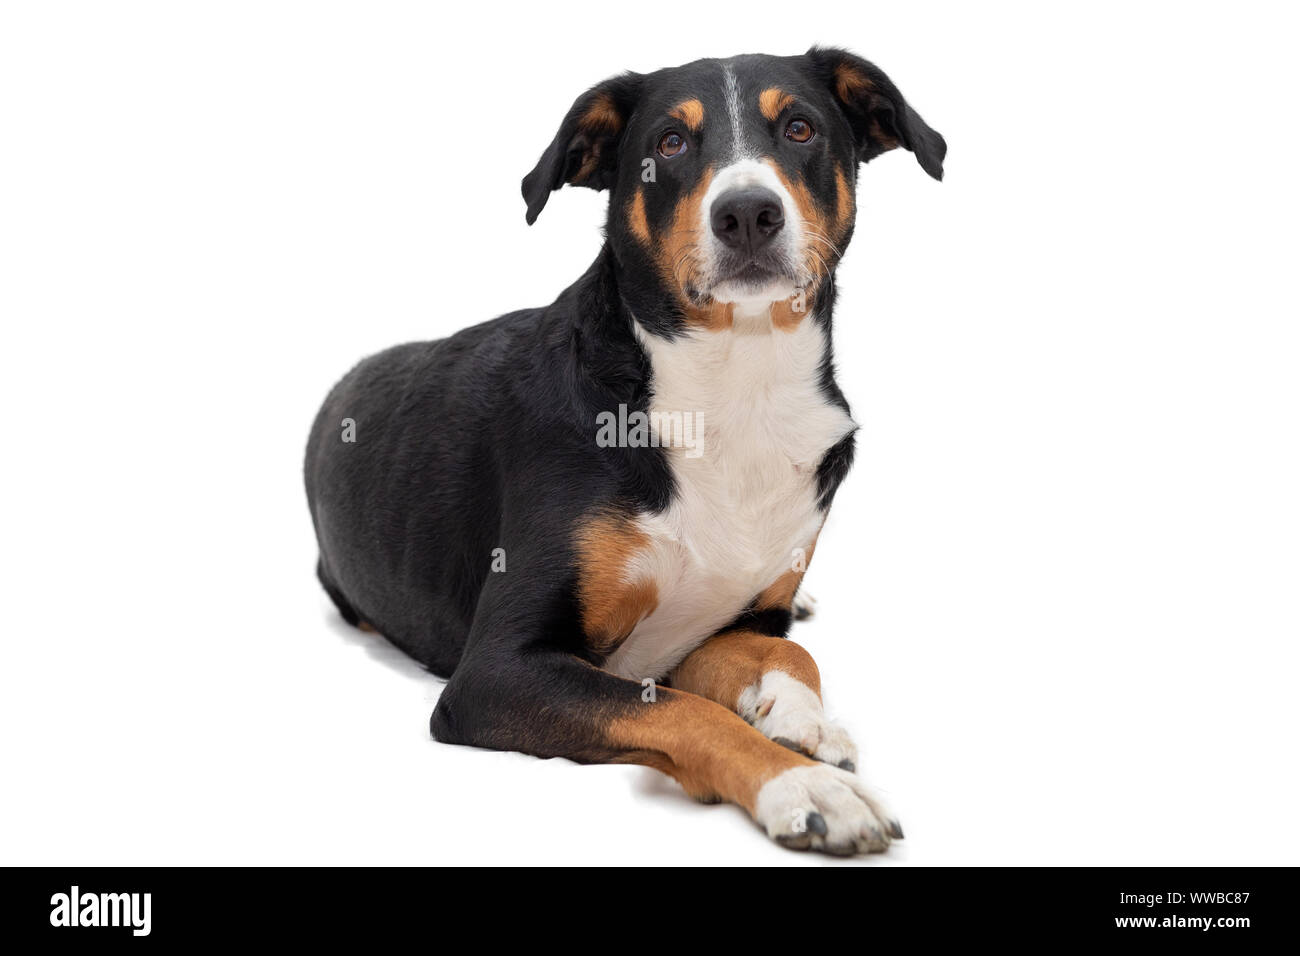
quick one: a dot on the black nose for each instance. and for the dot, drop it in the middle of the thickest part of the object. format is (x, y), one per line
(747, 219)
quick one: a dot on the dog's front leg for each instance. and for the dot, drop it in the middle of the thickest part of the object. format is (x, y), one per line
(772, 683)
(510, 696)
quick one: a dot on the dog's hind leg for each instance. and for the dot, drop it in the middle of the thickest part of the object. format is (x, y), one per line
(345, 607)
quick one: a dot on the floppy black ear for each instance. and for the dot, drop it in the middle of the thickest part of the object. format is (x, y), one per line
(880, 117)
(585, 150)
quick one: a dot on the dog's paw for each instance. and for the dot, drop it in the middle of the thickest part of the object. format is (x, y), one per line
(819, 807)
(790, 712)
(804, 606)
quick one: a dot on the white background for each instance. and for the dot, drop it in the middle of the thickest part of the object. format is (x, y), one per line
(1058, 593)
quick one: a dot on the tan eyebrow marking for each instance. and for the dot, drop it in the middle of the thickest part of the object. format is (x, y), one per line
(773, 101)
(690, 112)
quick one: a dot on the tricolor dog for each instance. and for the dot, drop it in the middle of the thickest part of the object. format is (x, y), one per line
(594, 517)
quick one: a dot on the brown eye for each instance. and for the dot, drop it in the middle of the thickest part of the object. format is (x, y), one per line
(799, 130)
(672, 144)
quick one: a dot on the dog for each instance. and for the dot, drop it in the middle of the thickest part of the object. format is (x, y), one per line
(593, 517)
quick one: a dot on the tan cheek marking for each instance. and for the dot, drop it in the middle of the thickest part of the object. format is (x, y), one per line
(803, 200)
(610, 605)
(723, 666)
(636, 220)
(679, 246)
(690, 112)
(709, 750)
(678, 256)
(784, 316)
(844, 202)
(772, 102)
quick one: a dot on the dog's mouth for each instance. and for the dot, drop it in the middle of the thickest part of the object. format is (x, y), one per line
(747, 278)
(752, 274)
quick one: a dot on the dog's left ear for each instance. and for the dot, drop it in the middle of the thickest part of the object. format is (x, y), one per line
(880, 117)
(585, 150)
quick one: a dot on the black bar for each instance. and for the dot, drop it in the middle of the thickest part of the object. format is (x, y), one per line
(331, 906)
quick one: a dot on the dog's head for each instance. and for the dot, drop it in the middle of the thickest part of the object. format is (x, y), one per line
(732, 181)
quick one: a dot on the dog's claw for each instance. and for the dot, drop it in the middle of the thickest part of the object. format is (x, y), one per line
(821, 807)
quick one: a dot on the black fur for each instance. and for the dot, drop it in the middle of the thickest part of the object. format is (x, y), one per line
(485, 440)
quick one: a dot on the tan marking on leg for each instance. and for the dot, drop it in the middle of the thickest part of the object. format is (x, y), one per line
(772, 102)
(709, 750)
(366, 627)
(690, 112)
(723, 666)
(610, 604)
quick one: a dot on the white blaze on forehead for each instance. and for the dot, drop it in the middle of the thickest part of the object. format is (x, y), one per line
(732, 87)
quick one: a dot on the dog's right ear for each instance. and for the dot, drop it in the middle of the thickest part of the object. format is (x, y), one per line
(585, 150)
(881, 119)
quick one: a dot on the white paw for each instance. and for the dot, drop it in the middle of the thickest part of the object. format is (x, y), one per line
(804, 606)
(790, 712)
(820, 807)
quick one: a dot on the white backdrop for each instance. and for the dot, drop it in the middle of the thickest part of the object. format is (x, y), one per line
(1058, 593)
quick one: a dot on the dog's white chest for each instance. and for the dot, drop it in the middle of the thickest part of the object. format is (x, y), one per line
(745, 504)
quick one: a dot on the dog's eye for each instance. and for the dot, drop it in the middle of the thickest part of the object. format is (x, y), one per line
(800, 131)
(672, 144)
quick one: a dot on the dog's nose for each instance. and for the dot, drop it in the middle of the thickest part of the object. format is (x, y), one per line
(747, 219)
